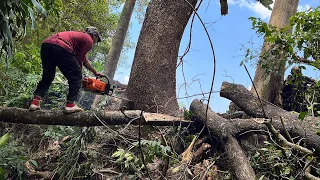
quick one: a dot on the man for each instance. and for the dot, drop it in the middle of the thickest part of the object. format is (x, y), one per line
(67, 51)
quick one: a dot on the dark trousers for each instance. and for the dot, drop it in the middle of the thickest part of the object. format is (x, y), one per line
(53, 56)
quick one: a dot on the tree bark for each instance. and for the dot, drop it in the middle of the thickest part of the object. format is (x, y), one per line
(152, 83)
(223, 129)
(86, 118)
(112, 60)
(306, 128)
(269, 85)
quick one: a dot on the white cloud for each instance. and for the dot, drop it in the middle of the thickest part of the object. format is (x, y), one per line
(249, 88)
(304, 7)
(259, 9)
(126, 79)
(254, 6)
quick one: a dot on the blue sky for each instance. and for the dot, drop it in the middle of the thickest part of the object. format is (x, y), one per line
(227, 33)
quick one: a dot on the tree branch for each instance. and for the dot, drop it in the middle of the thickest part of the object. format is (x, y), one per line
(305, 61)
(250, 104)
(225, 131)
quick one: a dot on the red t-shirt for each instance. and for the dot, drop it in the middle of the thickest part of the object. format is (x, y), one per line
(76, 42)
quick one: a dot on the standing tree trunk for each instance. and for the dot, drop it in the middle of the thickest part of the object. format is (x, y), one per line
(269, 86)
(112, 60)
(152, 83)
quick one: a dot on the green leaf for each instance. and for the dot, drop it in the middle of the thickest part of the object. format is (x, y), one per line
(34, 163)
(264, 149)
(287, 171)
(39, 8)
(25, 158)
(4, 139)
(2, 177)
(307, 27)
(290, 48)
(318, 132)
(33, 20)
(302, 115)
(118, 153)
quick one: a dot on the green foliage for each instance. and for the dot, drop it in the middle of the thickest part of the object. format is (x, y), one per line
(68, 159)
(14, 17)
(152, 150)
(12, 160)
(128, 159)
(304, 40)
(73, 159)
(2, 177)
(16, 88)
(57, 132)
(302, 115)
(4, 139)
(296, 48)
(273, 163)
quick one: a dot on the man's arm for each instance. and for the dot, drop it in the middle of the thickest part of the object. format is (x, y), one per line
(87, 64)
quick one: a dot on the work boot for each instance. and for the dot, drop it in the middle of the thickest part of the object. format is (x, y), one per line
(72, 108)
(35, 104)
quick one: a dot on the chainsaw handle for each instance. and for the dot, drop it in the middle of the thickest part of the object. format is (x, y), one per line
(103, 76)
(99, 76)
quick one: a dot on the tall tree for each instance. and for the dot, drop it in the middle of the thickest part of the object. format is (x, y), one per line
(112, 60)
(269, 85)
(152, 83)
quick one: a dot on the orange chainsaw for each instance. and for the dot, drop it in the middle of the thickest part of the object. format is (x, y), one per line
(97, 85)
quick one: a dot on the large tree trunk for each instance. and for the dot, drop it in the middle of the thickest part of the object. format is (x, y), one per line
(152, 83)
(112, 60)
(269, 86)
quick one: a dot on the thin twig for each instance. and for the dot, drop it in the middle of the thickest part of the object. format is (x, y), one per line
(307, 172)
(208, 168)
(214, 70)
(140, 147)
(285, 130)
(254, 86)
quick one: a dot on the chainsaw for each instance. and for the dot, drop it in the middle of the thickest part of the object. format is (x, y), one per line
(99, 85)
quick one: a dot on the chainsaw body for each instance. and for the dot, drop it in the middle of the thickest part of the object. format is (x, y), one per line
(97, 85)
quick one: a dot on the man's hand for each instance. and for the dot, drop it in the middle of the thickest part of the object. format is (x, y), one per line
(97, 74)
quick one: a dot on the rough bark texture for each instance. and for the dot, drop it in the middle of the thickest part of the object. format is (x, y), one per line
(86, 118)
(251, 105)
(112, 60)
(269, 86)
(223, 129)
(238, 159)
(152, 83)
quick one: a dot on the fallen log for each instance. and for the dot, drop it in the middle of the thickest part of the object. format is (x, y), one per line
(250, 104)
(223, 129)
(87, 118)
